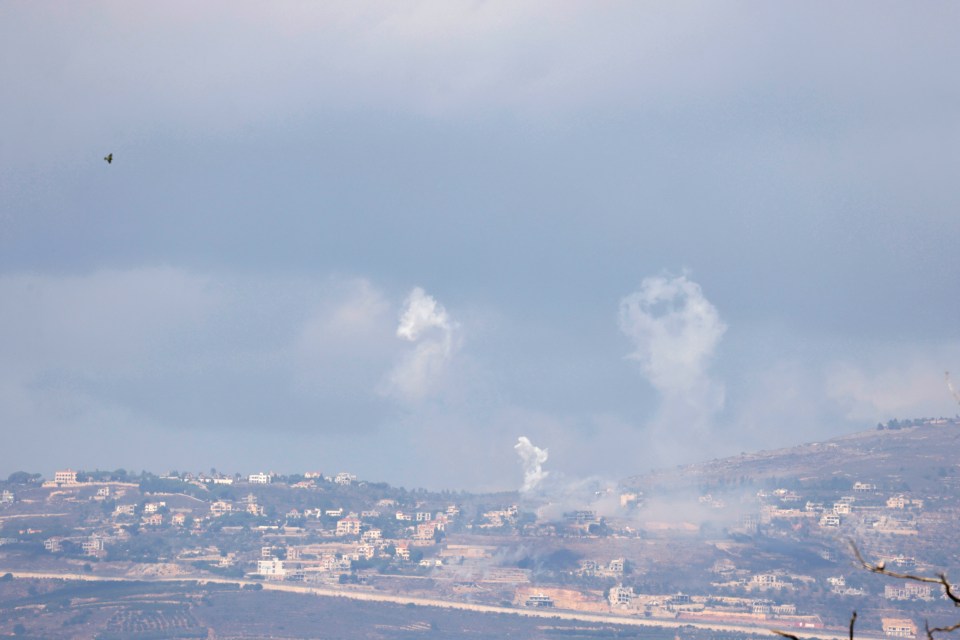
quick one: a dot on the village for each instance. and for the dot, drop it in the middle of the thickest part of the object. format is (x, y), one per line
(774, 556)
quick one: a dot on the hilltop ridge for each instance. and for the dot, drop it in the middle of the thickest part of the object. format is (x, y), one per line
(909, 454)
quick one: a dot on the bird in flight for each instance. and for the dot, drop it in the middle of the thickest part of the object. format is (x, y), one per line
(108, 158)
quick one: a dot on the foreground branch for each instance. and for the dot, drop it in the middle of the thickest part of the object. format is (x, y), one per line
(941, 580)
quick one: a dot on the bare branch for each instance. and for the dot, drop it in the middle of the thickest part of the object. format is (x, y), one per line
(853, 619)
(784, 634)
(949, 629)
(941, 579)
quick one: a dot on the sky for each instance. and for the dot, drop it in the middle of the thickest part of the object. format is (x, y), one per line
(393, 238)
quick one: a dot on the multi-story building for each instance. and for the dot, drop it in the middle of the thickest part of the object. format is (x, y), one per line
(93, 546)
(153, 520)
(125, 510)
(219, 508)
(67, 476)
(908, 591)
(899, 627)
(348, 527)
(344, 478)
(621, 595)
(272, 569)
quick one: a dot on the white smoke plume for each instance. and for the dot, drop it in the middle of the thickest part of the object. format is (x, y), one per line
(675, 331)
(423, 313)
(953, 391)
(424, 321)
(532, 459)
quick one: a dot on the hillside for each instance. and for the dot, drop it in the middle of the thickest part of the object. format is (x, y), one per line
(915, 458)
(750, 541)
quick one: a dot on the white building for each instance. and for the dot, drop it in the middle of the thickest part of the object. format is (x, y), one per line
(219, 508)
(621, 595)
(830, 520)
(344, 478)
(53, 545)
(899, 627)
(125, 510)
(766, 581)
(271, 568)
(153, 507)
(93, 546)
(259, 478)
(348, 526)
(65, 477)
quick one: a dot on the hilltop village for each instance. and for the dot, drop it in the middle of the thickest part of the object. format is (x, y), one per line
(759, 540)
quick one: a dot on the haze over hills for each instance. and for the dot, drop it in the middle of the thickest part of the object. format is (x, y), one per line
(292, 258)
(909, 454)
(726, 546)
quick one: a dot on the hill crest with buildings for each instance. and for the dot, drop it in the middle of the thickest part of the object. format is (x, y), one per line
(763, 536)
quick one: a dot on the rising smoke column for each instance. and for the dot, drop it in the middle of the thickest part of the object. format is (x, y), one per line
(532, 459)
(675, 332)
(426, 323)
(953, 391)
(423, 313)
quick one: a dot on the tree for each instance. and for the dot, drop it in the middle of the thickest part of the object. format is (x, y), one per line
(23, 477)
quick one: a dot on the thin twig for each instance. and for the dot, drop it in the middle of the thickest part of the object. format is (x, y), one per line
(949, 629)
(941, 579)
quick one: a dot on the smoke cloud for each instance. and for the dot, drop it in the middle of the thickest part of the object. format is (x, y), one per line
(675, 331)
(424, 321)
(532, 459)
(953, 390)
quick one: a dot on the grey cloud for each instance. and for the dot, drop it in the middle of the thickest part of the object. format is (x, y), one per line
(527, 160)
(171, 347)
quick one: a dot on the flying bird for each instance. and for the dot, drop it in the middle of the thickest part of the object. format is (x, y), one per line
(108, 158)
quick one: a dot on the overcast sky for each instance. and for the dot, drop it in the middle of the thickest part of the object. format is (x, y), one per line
(391, 238)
